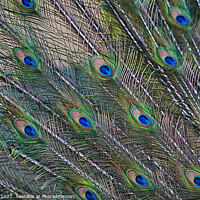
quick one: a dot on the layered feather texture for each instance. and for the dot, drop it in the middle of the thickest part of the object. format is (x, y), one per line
(100, 100)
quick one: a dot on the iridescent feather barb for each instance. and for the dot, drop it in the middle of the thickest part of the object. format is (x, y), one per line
(100, 99)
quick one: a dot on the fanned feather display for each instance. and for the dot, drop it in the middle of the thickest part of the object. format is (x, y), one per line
(100, 100)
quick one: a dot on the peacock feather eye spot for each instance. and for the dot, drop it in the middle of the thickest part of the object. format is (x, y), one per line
(144, 119)
(138, 178)
(141, 117)
(141, 180)
(28, 60)
(26, 129)
(30, 131)
(193, 177)
(197, 181)
(181, 19)
(103, 68)
(85, 122)
(89, 195)
(170, 61)
(168, 58)
(27, 3)
(82, 120)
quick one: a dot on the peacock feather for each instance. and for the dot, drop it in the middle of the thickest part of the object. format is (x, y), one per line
(100, 100)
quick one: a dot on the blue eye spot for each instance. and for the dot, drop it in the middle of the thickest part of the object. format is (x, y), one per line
(144, 119)
(170, 61)
(29, 61)
(85, 122)
(181, 19)
(30, 131)
(197, 181)
(140, 180)
(90, 195)
(27, 3)
(105, 70)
